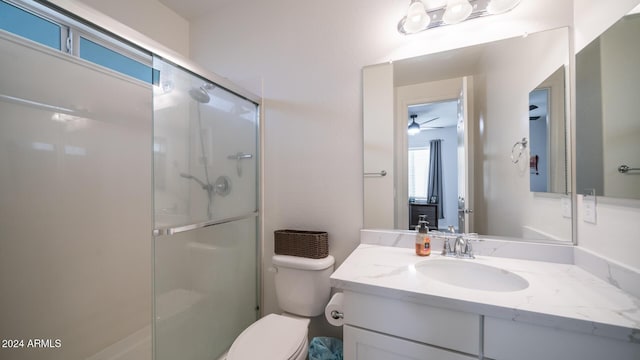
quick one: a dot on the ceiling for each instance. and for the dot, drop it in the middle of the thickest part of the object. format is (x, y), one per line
(191, 9)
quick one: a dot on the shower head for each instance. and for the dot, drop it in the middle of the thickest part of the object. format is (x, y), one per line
(200, 95)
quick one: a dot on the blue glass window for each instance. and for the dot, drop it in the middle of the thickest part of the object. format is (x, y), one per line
(113, 60)
(32, 27)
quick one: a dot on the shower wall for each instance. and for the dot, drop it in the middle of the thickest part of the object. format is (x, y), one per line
(75, 205)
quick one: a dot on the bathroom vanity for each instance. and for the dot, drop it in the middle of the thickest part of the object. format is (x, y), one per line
(401, 306)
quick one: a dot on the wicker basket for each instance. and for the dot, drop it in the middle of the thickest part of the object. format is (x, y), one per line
(309, 244)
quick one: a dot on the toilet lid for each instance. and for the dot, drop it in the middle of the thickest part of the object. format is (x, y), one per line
(274, 337)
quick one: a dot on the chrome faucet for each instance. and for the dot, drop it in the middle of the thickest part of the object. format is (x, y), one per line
(458, 247)
(446, 250)
(461, 248)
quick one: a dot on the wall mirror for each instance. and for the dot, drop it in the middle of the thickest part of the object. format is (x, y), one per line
(607, 120)
(548, 135)
(475, 101)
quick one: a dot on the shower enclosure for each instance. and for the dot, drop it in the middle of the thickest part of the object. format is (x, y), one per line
(128, 200)
(205, 176)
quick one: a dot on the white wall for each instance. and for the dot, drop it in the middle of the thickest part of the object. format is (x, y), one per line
(306, 59)
(512, 69)
(150, 17)
(593, 17)
(378, 147)
(615, 234)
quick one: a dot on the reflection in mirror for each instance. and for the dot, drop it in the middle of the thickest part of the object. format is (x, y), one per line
(607, 121)
(482, 191)
(547, 135)
(432, 157)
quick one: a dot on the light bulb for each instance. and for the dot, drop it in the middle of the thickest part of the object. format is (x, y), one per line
(501, 6)
(417, 18)
(457, 11)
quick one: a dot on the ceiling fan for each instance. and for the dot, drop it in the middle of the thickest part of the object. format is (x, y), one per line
(531, 108)
(415, 127)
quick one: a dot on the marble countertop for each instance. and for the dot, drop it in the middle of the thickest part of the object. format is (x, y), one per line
(559, 295)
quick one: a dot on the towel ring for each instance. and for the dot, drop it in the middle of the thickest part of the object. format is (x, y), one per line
(518, 150)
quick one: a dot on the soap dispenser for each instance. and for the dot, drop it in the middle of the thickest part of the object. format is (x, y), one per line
(423, 242)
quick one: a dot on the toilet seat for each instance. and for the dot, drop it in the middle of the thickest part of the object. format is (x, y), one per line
(274, 337)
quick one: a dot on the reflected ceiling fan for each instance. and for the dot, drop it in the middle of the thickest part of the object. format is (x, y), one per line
(531, 108)
(416, 127)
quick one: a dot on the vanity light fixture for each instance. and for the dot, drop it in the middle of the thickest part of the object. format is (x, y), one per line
(457, 11)
(418, 18)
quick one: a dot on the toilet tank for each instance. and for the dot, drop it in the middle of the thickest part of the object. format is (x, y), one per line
(302, 284)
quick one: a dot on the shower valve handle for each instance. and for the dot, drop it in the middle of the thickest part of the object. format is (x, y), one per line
(237, 157)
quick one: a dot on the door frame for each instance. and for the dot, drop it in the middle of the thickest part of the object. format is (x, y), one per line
(423, 93)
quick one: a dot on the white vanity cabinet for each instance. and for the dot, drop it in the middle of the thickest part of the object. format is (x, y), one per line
(395, 310)
(382, 328)
(507, 340)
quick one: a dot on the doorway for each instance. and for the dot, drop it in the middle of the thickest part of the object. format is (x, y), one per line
(432, 170)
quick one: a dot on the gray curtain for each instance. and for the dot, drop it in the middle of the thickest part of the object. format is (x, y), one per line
(434, 185)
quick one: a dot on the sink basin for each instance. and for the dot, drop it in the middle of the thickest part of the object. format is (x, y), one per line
(471, 275)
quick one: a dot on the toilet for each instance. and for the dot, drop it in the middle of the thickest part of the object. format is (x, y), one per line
(303, 290)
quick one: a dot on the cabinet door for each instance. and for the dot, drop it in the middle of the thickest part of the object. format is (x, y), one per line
(424, 324)
(361, 344)
(507, 340)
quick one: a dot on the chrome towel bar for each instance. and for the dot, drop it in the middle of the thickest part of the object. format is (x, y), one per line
(372, 174)
(623, 169)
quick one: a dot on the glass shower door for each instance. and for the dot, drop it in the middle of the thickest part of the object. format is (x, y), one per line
(205, 199)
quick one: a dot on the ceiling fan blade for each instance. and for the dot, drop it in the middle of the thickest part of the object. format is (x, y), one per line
(428, 121)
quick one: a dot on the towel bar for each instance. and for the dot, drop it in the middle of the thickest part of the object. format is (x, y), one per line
(623, 169)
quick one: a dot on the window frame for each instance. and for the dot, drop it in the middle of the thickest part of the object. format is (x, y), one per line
(411, 167)
(37, 10)
(72, 29)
